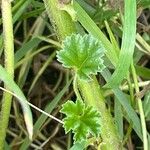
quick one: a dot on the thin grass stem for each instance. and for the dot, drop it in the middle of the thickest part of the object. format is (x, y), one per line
(141, 111)
(9, 65)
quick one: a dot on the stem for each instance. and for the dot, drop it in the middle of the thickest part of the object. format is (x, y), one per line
(75, 87)
(126, 87)
(143, 123)
(93, 96)
(60, 19)
(130, 90)
(128, 134)
(9, 65)
(33, 106)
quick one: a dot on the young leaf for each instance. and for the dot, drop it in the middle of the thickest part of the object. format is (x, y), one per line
(83, 54)
(82, 120)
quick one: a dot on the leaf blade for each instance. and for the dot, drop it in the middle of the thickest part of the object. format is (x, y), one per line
(9, 82)
(83, 54)
(128, 44)
(84, 120)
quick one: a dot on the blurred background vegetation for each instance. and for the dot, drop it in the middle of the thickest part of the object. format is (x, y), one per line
(46, 83)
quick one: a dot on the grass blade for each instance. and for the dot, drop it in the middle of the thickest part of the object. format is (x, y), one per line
(42, 69)
(143, 71)
(9, 82)
(119, 118)
(92, 28)
(25, 48)
(49, 108)
(120, 96)
(128, 44)
(21, 10)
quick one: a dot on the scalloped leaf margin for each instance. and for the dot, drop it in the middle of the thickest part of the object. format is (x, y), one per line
(83, 54)
(81, 119)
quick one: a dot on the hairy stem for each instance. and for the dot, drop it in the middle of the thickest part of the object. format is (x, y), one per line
(9, 65)
(61, 20)
(93, 96)
(75, 88)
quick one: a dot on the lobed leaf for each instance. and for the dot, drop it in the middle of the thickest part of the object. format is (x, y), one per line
(83, 54)
(82, 120)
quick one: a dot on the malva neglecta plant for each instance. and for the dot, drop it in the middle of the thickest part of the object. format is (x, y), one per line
(84, 54)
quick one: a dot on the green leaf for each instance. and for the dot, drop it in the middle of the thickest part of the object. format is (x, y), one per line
(83, 54)
(93, 29)
(143, 71)
(144, 3)
(9, 82)
(42, 118)
(127, 46)
(25, 48)
(82, 120)
(131, 116)
(128, 40)
(146, 105)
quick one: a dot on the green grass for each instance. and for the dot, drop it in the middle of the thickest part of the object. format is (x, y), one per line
(123, 84)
